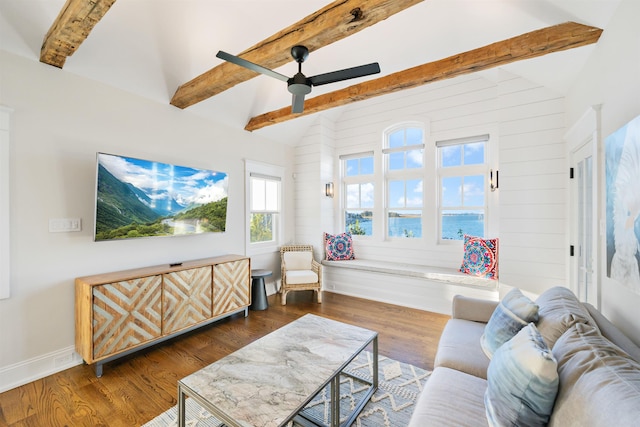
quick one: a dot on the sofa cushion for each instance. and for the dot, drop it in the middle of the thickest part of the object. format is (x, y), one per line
(559, 309)
(613, 334)
(599, 382)
(460, 349)
(522, 381)
(513, 313)
(450, 399)
(298, 260)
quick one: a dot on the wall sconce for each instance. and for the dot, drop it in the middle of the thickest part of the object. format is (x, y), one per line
(328, 189)
(493, 184)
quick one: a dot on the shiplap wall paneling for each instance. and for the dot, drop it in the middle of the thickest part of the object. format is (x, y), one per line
(313, 169)
(533, 187)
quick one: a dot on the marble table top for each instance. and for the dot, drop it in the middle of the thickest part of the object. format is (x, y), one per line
(264, 383)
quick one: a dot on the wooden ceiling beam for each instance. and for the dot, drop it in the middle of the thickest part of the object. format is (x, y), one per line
(72, 26)
(526, 46)
(333, 22)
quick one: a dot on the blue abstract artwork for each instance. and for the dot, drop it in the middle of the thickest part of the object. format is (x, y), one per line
(622, 169)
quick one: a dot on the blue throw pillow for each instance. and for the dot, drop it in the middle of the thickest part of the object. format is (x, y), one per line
(513, 313)
(522, 381)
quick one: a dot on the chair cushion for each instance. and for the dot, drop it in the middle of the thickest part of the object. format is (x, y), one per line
(522, 381)
(300, 277)
(297, 260)
(513, 313)
(599, 382)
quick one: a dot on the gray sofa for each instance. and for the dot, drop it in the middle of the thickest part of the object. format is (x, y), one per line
(598, 367)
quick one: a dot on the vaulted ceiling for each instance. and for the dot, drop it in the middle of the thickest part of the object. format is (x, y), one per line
(165, 49)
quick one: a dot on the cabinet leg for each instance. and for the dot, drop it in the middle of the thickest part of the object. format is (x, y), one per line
(98, 369)
(246, 311)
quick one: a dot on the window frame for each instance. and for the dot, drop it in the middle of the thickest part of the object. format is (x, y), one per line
(358, 179)
(462, 171)
(431, 225)
(405, 175)
(271, 172)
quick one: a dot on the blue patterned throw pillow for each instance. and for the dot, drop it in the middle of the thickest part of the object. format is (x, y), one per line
(513, 313)
(480, 257)
(338, 247)
(522, 381)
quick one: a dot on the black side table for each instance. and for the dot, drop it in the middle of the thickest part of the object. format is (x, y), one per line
(258, 291)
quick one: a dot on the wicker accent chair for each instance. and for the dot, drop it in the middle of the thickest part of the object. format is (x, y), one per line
(300, 272)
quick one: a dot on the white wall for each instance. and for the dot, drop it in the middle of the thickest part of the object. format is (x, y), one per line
(612, 78)
(59, 123)
(533, 185)
(528, 212)
(313, 169)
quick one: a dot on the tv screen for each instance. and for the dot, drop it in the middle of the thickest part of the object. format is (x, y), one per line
(140, 198)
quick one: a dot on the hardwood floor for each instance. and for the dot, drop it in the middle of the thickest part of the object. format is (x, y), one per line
(135, 389)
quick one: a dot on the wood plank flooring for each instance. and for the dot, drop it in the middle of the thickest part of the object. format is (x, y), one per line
(135, 389)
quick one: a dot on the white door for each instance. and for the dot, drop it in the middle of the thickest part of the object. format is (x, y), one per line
(583, 220)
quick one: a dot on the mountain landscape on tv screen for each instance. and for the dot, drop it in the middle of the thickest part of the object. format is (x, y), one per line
(137, 198)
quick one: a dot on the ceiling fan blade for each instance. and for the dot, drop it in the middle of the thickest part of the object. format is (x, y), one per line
(250, 65)
(346, 74)
(297, 103)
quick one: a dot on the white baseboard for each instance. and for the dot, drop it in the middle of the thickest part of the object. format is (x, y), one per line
(21, 373)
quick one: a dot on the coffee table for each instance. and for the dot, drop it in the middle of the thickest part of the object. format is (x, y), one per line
(268, 382)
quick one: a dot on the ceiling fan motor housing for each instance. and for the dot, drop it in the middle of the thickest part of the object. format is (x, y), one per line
(299, 84)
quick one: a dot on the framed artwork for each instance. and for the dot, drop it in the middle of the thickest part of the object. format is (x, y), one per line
(622, 169)
(141, 198)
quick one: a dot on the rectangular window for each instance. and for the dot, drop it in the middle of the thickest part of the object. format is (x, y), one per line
(265, 207)
(358, 193)
(404, 160)
(462, 171)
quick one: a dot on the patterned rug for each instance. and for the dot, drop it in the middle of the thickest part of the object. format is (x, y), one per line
(399, 385)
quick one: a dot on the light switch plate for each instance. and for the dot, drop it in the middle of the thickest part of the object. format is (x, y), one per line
(61, 225)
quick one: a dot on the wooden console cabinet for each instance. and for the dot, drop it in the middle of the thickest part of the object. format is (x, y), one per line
(122, 312)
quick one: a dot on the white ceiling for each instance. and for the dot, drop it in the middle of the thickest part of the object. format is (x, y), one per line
(150, 47)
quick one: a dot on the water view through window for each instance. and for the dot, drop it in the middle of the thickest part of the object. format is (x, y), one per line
(454, 225)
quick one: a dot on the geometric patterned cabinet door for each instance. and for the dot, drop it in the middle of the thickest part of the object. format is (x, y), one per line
(120, 312)
(186, 298)
(231, 286)
(126, 314)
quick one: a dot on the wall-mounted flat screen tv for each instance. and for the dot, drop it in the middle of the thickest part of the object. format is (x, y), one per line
(140, 198)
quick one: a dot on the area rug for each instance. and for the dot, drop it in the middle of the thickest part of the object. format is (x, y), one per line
(399, 385)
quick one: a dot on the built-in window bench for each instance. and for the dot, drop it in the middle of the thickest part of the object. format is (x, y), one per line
(417, 286)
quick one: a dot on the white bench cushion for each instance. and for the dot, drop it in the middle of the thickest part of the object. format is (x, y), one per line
(440, 274)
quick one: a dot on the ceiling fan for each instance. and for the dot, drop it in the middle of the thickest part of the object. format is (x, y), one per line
(300, 85)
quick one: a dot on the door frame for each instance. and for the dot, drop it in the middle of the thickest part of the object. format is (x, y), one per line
(584, 132)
